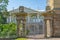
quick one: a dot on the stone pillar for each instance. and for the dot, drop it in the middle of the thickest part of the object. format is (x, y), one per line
(18, 27)
(48, 18)
(21, 32)
(24, 21)
(48, 25)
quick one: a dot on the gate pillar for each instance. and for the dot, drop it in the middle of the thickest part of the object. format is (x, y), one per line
(48, 24)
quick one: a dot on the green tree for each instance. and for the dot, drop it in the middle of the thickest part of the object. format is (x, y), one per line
(3, 10)
(2, 19)
(3, 5)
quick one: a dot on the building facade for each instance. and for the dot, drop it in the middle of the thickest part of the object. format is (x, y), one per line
(52, 20)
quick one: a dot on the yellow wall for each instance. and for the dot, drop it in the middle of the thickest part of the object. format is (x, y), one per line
(53, 3)
(50, 3)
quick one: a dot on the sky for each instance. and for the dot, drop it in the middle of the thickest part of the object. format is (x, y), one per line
(33, 4)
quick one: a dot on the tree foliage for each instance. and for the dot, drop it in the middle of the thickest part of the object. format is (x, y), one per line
(2, 19)
(3, 11)
(5, 29)
(3, 5)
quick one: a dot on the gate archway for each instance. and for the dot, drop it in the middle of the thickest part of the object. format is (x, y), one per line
(32, 24)
(35, 26)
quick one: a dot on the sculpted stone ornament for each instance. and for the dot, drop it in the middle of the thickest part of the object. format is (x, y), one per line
(21, 9)
(48, 8)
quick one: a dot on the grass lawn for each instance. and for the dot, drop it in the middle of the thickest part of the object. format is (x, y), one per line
(21, 39)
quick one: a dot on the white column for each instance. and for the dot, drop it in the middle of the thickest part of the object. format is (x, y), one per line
(28, 17)
(10, 19)
(38, 16)
(48, 28)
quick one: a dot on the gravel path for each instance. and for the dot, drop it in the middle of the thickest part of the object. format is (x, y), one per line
(46, 39)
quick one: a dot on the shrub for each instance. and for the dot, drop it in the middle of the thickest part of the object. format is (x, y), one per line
(7, 30)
